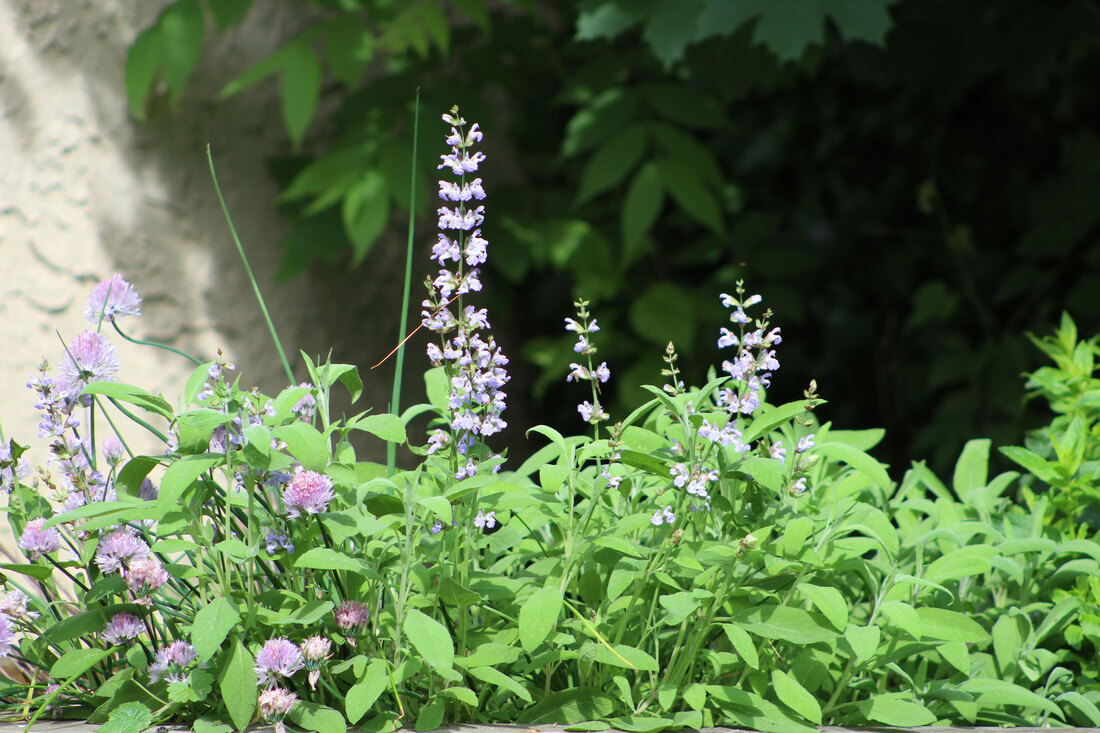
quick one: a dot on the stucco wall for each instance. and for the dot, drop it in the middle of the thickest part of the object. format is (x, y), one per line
(86, 192)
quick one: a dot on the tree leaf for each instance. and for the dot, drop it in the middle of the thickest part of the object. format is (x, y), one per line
(641, 207)
(182, 30)
(301, 89)
(431, 639)
(142, 64)
(612, 163)
(349, 48)
(538, 616)
(228, 12)
(366, 212)
(691, 194)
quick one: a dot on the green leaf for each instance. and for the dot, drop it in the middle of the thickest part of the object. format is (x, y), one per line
(538, 616)
(972, 468)
(386, 426)
(1082, 704)
(829, 601)
(901, 615)
(742, 644)
(431, 639)
(366, 212)
(311, 716)
(627, 657)
(956, 654)
(306, 444)
(995, 693)
(664, 313)
(683, 104)
(349, 48)
(858, 460)
(608, 113)
(569, 706)
(767, 420)
(890, 709)
(361, 696)
(301, 89)
(324, 558)
(960, 563)
(691, 194)
(227, 13)
(38, 572)
(785, 623)
(134, 395)
(939, 623)
(795, 696)
(1032, 462)
(619, 545)
(182, 30)
(431, 715)
(212, 624)
(495, 677)
(142, 64)
(131, 717)
(864, 640)
(181, 475)
(456, 595)
(237, 684)
(641, 207)
(76, 662)
(752, 711)
(612, 163)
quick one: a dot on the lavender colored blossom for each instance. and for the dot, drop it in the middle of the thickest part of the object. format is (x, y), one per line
(586, 409)
(309, 492)
(305, 408)
(172, 661)
(751, 370)
(37, 541)
(16, 470)
(278, 658)
(274, 705)
(728, 435)
(662, 516)
(111, 298)
(113, 450)
(779, 451)
(798, 486)
(436, 528)
(804, 444)
(121, 628)
(485, 521)
(89, 358)
(275, 540)
(118, 550)
(350, 614)
(13, 603)
(474, 363)
(146, 575)
(7, 636)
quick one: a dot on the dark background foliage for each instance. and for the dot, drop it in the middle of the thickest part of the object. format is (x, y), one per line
(912, 186)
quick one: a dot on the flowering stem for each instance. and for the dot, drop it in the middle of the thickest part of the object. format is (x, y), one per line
(248, 269)
(395, 400)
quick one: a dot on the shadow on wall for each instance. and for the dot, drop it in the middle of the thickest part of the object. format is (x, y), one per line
(143, 194)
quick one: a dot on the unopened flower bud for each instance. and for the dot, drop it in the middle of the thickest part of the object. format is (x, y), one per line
(676, 537)
(749, 542)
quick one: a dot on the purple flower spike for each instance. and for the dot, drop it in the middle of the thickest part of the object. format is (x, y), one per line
(111, 298)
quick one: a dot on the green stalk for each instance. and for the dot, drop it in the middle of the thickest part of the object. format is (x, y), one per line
(248, 269)
(395, 400)
(158, 345)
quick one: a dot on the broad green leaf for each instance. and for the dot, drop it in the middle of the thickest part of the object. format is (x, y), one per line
(462, 694)
(130, 717)
(87, 622)
(864, 640)
(768, 472)
(608, 113)
(1082, 704)
(227, 13)
(431, 639)
(490, 654)
(618, 544)
(349, 48)
(181, 475)
(361, 696)
(306, 444)
(750, 710)
(956, 654)
(641, 208)
(38, 572)
(829, 601)
(438, 505)
(142, 64)
(495, 677)
(133, 473)
(301, 89)
(797, 531)
(972, 468)
(386, 426)
(366, 212)
(969, 560)
(742, 644)
(901, 615)
(795, 696)
(664, 313)
(431, 715)
(182, 30)
(134, 395)
(314, 717)
(858, 460)
(1033, 463)
(456, 595)
(684, 184)
(77, 662)
(627, 657)
(767, 420)
(770, 621)
(995, 693)
(569, 706)
(612, 163)
(893, 710)
(238, 686)
(939, 623)
(683, 104)
(538, 617)
(324, 558)
(212, 624)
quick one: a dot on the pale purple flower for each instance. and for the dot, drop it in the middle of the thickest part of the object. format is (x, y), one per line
(602, 372)
(436, 528)
(37, 541)
(7, 636)
(351, 615)
(89, 358)
(172, 661)
(586, 410)
(275, 540)
(437, 440)
(799, 486)
(121, 628)
(662, 516)
(113, 450)
(16, 470)
(804, 444)
(309, 492)
(274, 705)
(13, 603)
(779, 451)
(110, 298)
(146, 575)
(118, 550)
(305, 408)
(278, 658)
(487, 521)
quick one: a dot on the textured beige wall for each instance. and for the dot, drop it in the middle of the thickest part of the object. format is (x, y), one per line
(85, 192)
